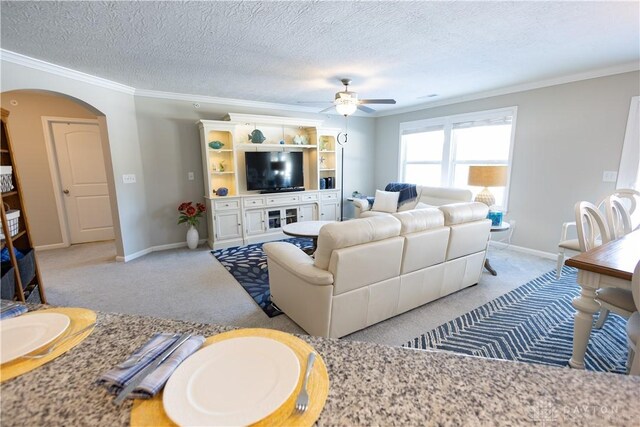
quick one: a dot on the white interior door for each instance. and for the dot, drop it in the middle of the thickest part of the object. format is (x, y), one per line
(84, 181)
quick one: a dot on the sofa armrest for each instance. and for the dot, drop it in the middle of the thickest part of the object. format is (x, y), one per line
(295, 261)
(360, 205)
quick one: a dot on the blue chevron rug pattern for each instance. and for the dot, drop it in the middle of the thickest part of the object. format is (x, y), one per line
(533, 323)
(248, 265)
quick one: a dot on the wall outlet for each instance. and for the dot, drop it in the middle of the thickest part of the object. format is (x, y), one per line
(190, 176)
(129, 179)
(609, 176)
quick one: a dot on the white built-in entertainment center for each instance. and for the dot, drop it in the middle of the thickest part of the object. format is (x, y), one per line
(241, 216)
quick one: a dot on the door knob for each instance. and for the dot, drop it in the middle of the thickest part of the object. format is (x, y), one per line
(65, 191)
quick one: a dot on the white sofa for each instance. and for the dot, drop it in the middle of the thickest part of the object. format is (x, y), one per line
(370, 269)
(427, 197)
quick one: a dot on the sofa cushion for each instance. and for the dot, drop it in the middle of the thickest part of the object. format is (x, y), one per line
(438, 196)
(386, 201)
(366, 214)
(458, 213)
(350, 233)
(419, 220)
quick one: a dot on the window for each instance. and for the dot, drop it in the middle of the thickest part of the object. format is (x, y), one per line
(438, 152)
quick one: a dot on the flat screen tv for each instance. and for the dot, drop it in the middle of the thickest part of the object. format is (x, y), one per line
(274, 170)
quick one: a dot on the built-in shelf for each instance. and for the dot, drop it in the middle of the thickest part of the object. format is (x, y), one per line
(9, 193)
(283, 146)
(327, 169)
(220, 150)
(3, 150)
(223, 173)
(327, 151)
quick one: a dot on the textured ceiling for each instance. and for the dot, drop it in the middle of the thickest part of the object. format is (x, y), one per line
(284, 52)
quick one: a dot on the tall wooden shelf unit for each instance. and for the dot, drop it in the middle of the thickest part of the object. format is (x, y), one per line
(22, 240)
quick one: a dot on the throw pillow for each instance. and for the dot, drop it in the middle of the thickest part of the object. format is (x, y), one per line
(386, 201)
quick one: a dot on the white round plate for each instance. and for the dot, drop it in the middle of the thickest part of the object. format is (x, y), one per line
(238, 381)
(23, 334)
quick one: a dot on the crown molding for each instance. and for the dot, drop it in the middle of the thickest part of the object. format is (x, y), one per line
(223, 101)
(591, 74)
(37, 64)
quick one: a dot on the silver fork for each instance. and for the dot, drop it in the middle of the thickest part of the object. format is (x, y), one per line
(58, 344)
(302, 401)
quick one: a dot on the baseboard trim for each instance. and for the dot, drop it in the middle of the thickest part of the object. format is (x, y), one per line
(541, 254)
(50, 247)
(157, 248)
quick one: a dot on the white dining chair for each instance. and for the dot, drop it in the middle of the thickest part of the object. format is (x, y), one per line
(592, 231)
(633, 327)
(618, 217)
(630, 199)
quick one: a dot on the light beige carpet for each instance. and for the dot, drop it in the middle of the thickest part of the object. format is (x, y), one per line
(192, 285)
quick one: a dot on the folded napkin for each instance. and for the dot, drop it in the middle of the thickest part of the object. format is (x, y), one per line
(116, 379)
(9, 309)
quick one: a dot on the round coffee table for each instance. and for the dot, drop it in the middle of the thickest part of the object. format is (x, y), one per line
(310, 229)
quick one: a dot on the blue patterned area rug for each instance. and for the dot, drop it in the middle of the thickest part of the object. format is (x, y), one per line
(533, 323)
(248, 265)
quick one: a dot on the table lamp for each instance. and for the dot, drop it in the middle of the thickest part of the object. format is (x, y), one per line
(487, 176)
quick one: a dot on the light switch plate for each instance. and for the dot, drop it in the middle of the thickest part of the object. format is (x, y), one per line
(609, 176)
(129, 179)
(190, 176)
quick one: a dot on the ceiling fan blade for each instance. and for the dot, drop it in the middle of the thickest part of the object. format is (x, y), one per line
(326, 109)
(314, 102)
(366, 109)
(377, 101)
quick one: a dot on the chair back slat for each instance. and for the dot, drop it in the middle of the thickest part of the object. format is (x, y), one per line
(591, 226)
(618, 218)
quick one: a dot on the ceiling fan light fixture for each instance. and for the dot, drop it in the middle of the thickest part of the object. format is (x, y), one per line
(346, 106)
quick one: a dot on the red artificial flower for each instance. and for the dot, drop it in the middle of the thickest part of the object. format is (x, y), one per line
(183, 206)
(190, 210)
(200, 207)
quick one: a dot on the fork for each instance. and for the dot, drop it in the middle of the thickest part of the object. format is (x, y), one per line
(56, 345)
(302, 401)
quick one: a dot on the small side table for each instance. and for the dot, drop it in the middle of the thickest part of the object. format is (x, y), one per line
(496, 229)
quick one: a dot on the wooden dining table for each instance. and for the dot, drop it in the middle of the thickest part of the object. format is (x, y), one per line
(608, 265)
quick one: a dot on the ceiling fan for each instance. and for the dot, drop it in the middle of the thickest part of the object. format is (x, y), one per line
(346, 102)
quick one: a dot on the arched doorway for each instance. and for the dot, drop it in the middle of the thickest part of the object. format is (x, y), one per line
(64, 162)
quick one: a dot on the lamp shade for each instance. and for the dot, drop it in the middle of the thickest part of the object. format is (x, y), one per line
(488, 176)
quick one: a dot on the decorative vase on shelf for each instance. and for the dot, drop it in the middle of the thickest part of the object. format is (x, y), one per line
(192, 237)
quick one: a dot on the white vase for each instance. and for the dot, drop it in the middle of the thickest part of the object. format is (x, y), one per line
(192, 237)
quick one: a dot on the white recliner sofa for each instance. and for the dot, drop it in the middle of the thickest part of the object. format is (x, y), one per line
(370, 269)
(427, 197)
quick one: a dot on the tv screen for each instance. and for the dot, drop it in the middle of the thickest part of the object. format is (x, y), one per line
(273, 170)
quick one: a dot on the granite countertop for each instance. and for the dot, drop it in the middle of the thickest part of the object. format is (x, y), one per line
(370, 384)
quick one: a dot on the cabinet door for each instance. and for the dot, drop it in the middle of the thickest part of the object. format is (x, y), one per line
(274, 219)
(228, 225)
(329, 212)
(308, 212)
(290, 215)
(254, 222)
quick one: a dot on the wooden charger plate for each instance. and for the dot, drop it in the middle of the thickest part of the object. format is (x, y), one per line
(150, 412)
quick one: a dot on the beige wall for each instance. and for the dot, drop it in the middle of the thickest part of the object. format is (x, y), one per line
(566, 136)
(170, 146)
(27, 133)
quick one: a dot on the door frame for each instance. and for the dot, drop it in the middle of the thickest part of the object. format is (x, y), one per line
(54, 170)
